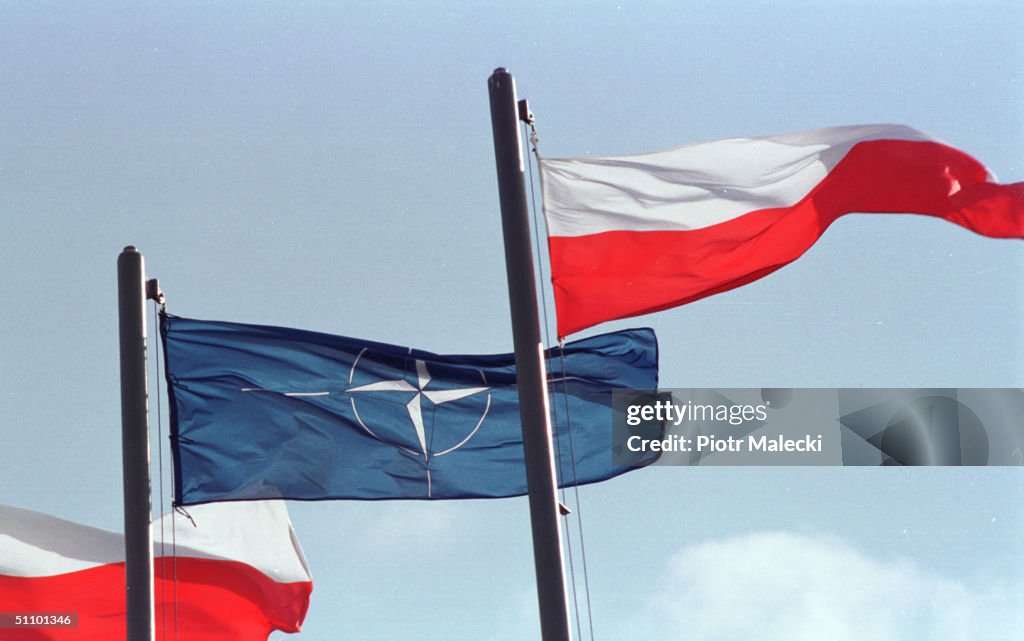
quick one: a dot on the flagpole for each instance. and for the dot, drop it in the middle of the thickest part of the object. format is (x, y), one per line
(529, 356)
(138, 541)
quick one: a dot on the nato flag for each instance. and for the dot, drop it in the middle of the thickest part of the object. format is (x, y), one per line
(263, 412)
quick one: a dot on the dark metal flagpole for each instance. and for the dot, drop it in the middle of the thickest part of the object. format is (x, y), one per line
(530, 372)
(138, 540)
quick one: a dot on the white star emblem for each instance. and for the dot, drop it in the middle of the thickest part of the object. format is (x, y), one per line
(415, 405)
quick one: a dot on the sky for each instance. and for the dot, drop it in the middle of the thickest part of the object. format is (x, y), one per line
(329, 166)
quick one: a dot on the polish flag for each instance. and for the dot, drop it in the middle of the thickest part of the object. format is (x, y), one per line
(238, 574)
(630, 235)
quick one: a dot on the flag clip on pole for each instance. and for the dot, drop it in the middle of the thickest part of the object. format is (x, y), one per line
(138, 542)
(529, 357)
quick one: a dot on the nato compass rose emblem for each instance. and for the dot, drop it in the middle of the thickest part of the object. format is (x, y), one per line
(421, 417)
(423, 401)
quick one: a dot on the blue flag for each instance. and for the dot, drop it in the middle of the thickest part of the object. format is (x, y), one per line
(267, 412)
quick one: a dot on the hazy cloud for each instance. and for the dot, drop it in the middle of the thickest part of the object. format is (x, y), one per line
(794, 587)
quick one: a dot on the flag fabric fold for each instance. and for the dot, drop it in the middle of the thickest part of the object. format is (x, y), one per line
(272, 412)
(629, 235)
(237, 573)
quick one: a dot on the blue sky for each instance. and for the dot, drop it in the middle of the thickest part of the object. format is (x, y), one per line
(330, 167)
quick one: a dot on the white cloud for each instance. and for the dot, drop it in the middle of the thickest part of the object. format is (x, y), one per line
(792, 587)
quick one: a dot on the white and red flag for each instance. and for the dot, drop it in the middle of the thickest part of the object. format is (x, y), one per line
(630, 235)
(238, 573)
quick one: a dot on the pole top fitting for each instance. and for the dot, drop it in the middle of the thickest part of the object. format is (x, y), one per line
(524, 112)
(153, 291)
(130, 249)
